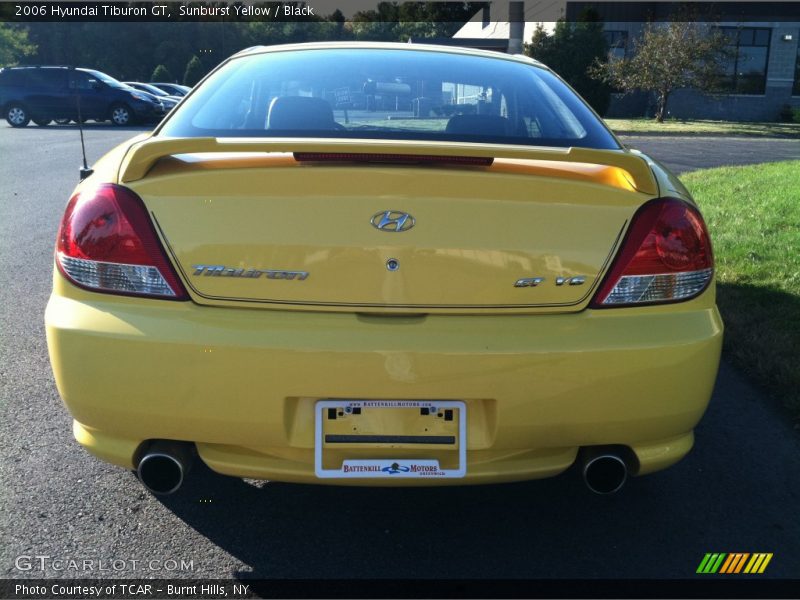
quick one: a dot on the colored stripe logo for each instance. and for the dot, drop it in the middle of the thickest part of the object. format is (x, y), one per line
(735, 562)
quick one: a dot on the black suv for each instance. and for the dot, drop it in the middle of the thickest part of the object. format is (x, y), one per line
(41, 94)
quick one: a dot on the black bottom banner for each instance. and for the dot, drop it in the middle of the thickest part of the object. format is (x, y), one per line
(69, 589)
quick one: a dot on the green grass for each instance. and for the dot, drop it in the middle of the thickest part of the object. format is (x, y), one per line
(699, 127)
(753, 214)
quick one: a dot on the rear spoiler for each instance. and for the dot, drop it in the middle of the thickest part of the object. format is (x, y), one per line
(141, 156)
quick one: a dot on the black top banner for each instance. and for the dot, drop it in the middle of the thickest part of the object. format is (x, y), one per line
(316, 10)
(29, 12)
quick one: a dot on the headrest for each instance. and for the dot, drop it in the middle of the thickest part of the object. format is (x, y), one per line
(299, 112)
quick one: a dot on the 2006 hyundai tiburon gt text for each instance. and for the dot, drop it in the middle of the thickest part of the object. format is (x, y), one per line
(379, 264)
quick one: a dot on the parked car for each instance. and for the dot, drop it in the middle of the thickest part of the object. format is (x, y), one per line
(167, 100)
(41, 94)
(173, 89)
(303, 293)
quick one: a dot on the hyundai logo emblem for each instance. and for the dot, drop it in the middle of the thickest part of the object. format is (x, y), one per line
(393, 221)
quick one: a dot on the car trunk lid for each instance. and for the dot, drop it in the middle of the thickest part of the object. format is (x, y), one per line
(334, 232)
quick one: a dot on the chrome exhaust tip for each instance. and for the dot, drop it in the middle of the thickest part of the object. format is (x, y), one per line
(164, 466)
(604, 472)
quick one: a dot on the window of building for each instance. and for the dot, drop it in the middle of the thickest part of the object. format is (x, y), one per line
(746, 71)
(617, 43)
(796, 88)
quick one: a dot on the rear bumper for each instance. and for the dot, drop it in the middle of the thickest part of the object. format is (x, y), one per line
(242, 383)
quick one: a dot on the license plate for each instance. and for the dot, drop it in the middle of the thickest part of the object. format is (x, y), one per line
(390, 439)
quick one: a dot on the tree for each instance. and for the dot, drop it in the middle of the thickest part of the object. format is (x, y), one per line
(194, 72)
(393, 21)
(138, 48)
(337, 17)
(161, 73)
(14, 44)
(571, 52)
(669, 56)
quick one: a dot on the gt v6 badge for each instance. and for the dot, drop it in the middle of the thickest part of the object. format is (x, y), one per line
(534, 281)
(223, 271)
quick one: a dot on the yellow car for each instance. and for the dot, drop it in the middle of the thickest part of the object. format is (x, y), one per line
(383, 264)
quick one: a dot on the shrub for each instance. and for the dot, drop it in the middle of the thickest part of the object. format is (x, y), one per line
(194, 72)
(162, 74)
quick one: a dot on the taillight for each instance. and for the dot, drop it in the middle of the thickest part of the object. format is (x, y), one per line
(107, 243)
(665, 257)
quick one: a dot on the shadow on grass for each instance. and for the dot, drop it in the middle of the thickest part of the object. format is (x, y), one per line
(702, 128)
(762, 337)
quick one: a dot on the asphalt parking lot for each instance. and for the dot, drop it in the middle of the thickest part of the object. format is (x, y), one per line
(738, 491)
(683, 153)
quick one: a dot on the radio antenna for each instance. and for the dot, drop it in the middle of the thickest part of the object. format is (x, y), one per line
(85, 170)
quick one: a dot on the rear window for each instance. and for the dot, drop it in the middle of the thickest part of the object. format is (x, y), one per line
(388, 94)
(48, 79)
(10, 78)
(40, 78)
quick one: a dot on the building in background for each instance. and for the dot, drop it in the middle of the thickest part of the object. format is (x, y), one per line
(763, 74)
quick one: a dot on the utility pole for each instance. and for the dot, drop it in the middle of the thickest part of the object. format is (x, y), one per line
(516, 24)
